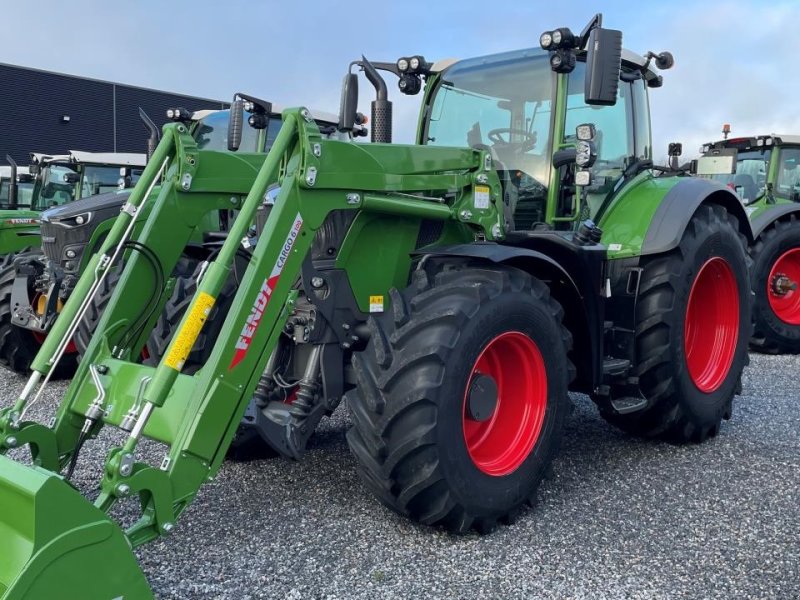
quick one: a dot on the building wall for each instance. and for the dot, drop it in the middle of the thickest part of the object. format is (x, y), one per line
(103, 116)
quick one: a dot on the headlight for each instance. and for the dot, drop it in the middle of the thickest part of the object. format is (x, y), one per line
(70, 253)
(414, 63)
(583, 177)
(546, 40)
(585, 132)
(585, 154)
(402, 65)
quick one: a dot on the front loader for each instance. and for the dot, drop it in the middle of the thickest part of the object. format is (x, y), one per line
(452, 291)
(35, 285)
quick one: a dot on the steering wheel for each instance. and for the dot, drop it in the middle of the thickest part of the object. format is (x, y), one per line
(527, 143)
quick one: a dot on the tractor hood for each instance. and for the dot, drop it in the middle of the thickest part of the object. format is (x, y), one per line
(100, 203)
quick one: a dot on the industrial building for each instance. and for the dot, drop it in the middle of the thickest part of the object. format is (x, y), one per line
(43, 111)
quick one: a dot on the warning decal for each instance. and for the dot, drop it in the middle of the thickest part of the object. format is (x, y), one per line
(187, 336)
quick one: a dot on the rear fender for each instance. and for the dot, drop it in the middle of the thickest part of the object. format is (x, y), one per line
(679, 205)
(772, 214)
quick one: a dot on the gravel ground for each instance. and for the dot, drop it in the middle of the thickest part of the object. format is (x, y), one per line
(621, 518)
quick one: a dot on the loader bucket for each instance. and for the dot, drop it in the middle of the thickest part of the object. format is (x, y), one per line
(55, 544)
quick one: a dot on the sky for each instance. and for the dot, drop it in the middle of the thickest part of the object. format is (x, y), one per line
(735, 60)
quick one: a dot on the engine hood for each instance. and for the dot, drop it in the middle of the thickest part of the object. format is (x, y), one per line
(99, 203)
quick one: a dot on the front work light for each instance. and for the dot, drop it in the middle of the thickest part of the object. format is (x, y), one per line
(585, 154)
(585, 132)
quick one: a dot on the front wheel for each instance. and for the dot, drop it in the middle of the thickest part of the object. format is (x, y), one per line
(776, 283)
(461, 397)
(692, 329)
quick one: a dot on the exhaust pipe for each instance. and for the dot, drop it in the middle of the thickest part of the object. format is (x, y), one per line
(12, 184)
(155, 134)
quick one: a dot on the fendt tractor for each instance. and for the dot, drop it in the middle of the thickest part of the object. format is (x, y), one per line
(764, 171)
(452, 291)
(35, 285)
(55, 180)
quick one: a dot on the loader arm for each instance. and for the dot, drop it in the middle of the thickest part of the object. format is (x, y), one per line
(196, 415)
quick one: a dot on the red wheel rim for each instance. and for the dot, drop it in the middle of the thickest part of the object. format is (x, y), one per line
(785, 303)
(711, 330)
(500, 444)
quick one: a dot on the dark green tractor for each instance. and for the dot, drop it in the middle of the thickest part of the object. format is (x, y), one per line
(453, 291)
(764, 171)
(35, 286)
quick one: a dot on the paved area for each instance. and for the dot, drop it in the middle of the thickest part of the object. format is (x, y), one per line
(621, 518)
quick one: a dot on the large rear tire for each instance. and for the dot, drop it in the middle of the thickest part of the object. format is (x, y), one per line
(429, 439)
(692, 329)
(18, 346)
(776, 284)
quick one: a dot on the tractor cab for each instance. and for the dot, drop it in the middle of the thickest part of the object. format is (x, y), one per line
(24, 187)
(61, 179)
(563, 136)
(757, 167)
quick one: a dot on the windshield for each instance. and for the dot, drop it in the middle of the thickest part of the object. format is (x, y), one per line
(501, 103)
(57, 185)
(24, 194)
(212, 133)
(99, 179)
(750, 177)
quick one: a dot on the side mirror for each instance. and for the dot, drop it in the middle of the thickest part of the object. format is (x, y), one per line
(71, 177)
(235, 125)
(718, 161)
(675, 149)
(603, 62)
(349, 103)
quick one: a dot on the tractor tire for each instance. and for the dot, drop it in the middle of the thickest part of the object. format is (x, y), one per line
(88, 325)
(461, 396)
(692, 330)
(18, 346)
(776, 311)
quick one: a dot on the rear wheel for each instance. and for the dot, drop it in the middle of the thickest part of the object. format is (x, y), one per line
(461, 396)
(776, 283)
(692, 327)
(18, 346)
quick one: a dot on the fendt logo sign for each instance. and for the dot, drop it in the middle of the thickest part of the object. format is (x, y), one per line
(264, 295)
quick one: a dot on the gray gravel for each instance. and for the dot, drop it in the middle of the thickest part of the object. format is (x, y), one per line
(621, 518)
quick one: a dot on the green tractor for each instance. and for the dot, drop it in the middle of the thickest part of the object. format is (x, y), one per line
(35, 285)
(452, 291)
(764, 171)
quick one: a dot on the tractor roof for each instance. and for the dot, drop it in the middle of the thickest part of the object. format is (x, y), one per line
(627, 56)
(92, 158)
(747, 142)
(5, 171)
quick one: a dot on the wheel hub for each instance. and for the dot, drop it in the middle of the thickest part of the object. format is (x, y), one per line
(482, 397)
(504, 403)
(782, 285)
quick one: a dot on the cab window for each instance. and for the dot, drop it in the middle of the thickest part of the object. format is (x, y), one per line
(789, 173)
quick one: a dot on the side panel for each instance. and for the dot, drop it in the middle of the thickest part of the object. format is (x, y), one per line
(651, 214)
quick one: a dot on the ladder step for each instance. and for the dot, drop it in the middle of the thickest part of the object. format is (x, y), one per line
(616, 366)
(628, 404)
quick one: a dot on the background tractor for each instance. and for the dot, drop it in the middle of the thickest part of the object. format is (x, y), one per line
(764, 171)
(453, 291)
(35, 286)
